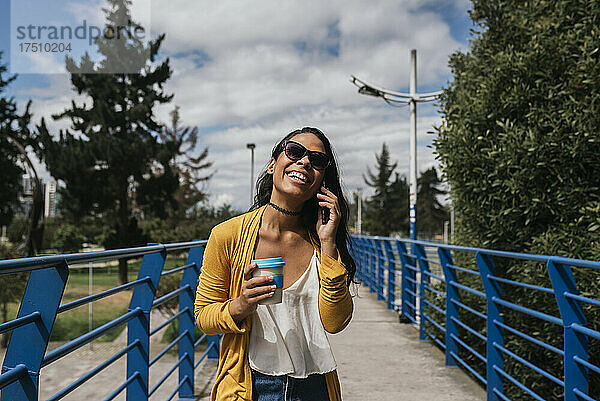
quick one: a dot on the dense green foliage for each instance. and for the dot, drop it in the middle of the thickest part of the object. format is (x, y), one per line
(67, 239)
(520, 148)
(520, 143)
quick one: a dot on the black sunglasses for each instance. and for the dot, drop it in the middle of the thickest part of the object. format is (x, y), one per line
(295, 151)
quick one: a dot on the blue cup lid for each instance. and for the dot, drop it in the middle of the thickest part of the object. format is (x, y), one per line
(268, 262)
(265, 265)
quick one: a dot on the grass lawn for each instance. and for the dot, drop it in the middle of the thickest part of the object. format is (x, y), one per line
(73, 323)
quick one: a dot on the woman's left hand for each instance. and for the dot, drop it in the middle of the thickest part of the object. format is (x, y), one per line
(327, 231)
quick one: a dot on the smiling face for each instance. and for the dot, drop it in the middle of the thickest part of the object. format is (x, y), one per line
(297, 180)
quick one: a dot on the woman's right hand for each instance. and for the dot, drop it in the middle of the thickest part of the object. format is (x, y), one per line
(254, 290)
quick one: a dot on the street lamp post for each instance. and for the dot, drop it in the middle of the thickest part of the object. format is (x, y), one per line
(251, 146)
(397, 99)
(359, 211)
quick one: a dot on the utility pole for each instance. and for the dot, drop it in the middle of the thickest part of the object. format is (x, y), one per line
(251, 146)
(398, 99)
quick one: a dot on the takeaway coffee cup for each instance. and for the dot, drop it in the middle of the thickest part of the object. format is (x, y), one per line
(270, 267)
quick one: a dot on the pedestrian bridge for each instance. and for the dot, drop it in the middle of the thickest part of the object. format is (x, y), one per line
(431, 322)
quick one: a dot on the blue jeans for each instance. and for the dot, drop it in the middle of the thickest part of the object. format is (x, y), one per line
(285, 388)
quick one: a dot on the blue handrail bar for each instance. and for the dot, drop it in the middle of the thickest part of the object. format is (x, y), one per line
(169, 296)
(103, 294)
(80, 341)
(77, 383)
(169, 320)
(168, 347)
(419, 301)
(122, 387)
(43, 261)
(16, 373)
(13, 324)
(166, 375)
(177, 269)
(26, 354)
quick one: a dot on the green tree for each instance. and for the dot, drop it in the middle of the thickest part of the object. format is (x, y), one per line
(387, 210)
(399, 204)
(376, 219)
(112, 163)
(12, 287)
(14, 135)
(189, 168)
(520, 147)
(67, 238)
(430, 213)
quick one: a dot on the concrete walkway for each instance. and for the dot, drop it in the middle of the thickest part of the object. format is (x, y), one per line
(381, 359)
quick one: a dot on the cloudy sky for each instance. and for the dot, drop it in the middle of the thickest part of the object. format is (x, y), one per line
(252, 71)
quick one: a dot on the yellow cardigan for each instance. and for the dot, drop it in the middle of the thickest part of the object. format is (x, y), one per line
(229, 250)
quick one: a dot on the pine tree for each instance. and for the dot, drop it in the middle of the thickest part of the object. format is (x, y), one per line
(383, 212)
(430, 213)
(184, 140)
(399, 205)
(112, 163)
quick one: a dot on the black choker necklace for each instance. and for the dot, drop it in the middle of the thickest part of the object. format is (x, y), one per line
(284, 211)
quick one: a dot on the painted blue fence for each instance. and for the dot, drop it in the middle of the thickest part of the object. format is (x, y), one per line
(421, 281)
(26, 354)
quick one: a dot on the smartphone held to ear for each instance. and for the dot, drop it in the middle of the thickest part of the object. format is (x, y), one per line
(324, 211)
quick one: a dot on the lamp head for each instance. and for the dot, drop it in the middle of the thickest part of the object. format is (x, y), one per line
(367, 90)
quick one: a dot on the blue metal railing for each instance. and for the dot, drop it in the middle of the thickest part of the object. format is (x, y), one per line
(424, 277)
(26, 354)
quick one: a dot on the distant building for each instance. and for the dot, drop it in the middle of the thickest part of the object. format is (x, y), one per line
(26, 198)
(50, 199)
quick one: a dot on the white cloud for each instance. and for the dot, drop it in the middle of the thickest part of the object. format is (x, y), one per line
(257, 70)
(89, 10)
(222, 199)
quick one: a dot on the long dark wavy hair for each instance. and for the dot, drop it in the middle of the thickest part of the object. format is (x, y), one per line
(309, 214)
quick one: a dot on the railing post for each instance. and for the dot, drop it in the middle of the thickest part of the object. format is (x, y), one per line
(409, 313)
(28, 343)
(138, 328)
(365, 261)
(187, 324)
(423, 267)
(357, 250)
(367, 264)
(494, 333)
(391, 295)
(380, 270)
(372, 264)
(450, 276)
(575, 344)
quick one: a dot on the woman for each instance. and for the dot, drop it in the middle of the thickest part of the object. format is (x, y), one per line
(281, 352)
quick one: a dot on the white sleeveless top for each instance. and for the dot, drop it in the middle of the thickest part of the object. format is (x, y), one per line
(288, 338)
